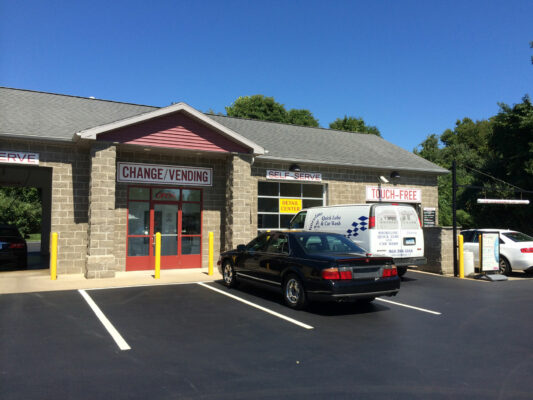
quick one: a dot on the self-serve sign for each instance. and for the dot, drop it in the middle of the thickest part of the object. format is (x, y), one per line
(290, 206)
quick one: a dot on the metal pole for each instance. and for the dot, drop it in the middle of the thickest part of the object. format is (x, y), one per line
(454, 217)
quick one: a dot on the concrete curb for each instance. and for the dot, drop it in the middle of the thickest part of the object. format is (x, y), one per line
(39, 280)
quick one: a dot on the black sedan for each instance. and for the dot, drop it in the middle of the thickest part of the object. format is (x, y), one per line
(310, 266)
(13, 248)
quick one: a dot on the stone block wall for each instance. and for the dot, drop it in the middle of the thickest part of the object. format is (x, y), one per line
(70, 164)
(101, 229)
(347, 185)
(229, 206)
(241, 202)
(438, 243)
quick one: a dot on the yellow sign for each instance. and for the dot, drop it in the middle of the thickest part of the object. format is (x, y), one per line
(290, 206)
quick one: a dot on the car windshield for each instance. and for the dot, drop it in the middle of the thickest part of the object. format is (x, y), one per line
(327, 243)
(518, 236)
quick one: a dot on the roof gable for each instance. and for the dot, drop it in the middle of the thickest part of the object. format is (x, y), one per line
(177, 131)
(140, 126)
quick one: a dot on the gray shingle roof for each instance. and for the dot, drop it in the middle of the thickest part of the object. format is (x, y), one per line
(318, 145)
(30, 114)
(53, 116)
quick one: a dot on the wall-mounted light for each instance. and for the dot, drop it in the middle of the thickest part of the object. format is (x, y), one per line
(382, 179)
(395, 175)
(295, 168)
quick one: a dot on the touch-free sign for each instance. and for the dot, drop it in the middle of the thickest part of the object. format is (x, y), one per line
(164, 174)
(400, 195)
(294, 176)
(17, 157)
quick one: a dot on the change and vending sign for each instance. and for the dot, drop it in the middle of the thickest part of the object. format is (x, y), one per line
(489, 251)
(164, 174)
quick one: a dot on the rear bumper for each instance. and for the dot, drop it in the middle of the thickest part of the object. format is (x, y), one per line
(404, 262)
(350, 296)
(356, 289)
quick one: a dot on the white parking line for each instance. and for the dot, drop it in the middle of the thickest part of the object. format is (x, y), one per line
(119, 340)
(414, 308)
(293, 321)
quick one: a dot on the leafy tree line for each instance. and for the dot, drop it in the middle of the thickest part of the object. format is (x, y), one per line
(496, 157)
(267, 109)
(21, 206)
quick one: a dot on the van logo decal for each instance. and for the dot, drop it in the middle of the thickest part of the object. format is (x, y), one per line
(357, 226)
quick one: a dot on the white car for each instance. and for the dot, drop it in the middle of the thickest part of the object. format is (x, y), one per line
(516, 249)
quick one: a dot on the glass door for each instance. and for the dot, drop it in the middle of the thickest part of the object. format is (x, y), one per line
(174, 212)
(165, 221)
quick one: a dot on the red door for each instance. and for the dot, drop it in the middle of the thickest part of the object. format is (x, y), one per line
(176, 213)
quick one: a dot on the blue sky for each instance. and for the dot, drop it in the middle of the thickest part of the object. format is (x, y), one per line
(411, 68)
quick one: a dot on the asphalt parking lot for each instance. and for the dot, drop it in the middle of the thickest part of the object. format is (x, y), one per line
(440, 338)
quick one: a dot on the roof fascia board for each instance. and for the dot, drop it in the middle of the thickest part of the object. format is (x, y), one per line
(442, 171)
(35, 137)
(92, 133)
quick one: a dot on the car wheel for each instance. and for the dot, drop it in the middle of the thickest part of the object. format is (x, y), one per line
(401, 270)
(294, 293)
(228, 275)
(505, 267)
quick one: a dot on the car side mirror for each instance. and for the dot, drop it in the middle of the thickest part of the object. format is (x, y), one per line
(241, 248)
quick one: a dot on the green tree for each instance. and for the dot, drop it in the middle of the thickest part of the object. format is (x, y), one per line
(267, 109)
(257, 107)
(354, 124)
(495, 157)
(21, 207)
(301, 117)
(512, 142)
(467, 144)
(511, 161)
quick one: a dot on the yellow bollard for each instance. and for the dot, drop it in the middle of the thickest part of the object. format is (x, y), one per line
(53, 257)
(157, 274)
(461, 257)
(211, 254)
(480, 258)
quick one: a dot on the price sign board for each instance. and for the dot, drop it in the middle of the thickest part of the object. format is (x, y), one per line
(489, 251)
(429, 216)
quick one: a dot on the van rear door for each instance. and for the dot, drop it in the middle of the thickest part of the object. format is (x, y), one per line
(411, 235)
(385, 234)
(397, 232)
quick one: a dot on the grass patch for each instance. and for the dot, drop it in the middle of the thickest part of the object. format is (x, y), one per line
(34, 237)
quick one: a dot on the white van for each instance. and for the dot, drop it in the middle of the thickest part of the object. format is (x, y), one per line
(382, 228)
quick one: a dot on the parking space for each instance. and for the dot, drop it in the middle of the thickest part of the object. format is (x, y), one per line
(205, 341)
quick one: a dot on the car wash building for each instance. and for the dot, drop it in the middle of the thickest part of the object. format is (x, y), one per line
(113, 174)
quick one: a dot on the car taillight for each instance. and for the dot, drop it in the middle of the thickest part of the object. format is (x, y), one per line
(16, 246)
(527, 250)
(371, 222)
(336, 274)
(389, 272)
(346, 274)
